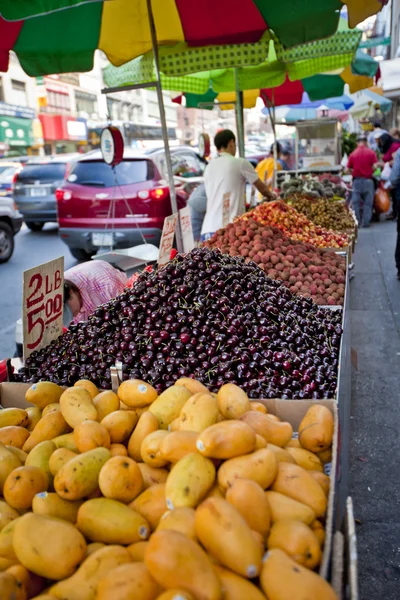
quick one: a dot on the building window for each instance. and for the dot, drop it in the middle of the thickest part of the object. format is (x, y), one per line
(86, 103)
(19, 92)
(114, 109)
(57, 103)
(1, 90)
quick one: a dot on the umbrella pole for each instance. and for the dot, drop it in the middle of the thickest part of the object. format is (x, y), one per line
(168, 162)
(239, 115)
(275, 178)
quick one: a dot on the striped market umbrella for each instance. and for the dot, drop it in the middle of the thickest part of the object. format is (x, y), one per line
(58, 36)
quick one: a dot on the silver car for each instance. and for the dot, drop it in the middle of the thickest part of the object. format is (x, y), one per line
(10, 224)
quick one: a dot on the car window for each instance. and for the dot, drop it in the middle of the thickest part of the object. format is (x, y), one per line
(42, 172)
(186, 164)
(98, 173)
(7, 173)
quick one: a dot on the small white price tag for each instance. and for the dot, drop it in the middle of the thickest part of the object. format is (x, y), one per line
(167, 239)
(186, 229)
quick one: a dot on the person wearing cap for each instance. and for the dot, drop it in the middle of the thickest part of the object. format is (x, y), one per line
(375, 135)
(361, 164)
(283, 159)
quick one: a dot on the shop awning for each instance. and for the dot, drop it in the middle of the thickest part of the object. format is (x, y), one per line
(16, 131)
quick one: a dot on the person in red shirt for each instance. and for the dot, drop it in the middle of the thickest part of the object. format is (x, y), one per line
(361, 165)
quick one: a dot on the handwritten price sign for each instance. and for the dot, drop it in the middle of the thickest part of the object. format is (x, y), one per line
(226, 205)
(42, 305)
(167, 239)
(186, 229)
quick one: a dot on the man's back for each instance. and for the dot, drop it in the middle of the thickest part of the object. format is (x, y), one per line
(362, 160)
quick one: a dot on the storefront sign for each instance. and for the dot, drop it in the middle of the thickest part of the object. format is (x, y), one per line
(12, 110)
(167, 239)
(42, 304)
(226, 205)
(76, 129)
(112, 145)
(186, 229)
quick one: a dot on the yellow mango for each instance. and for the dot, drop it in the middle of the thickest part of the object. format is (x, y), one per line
(323, 481)
(77, 405)
(226, 439)
(132, 580)
(8, 462)
(175, 594)
(319, 531)
(43, 393)
(282, 454)
(259, 466)
(20, 454)
(93, 547)
(6, 563)
(120, 479)
(13, 416)
(119, 425)
(258, 406)
(325, 456)
(34, 416)
(192, 385)
(40, 457)
(87, 385)
(294, 443)
(13, 435)
(22, 484)
(147, 424)
(297, 483)
(54, 407)
(284, 579)
(249, 499)
(137, 551)
(28, 584)
(79, 476)
(82, 585)
(51, 505)
(151, 504)
(214, 492)
(151, 475)
(111, 522)
(8, 587)
(150, 449)
(199, 412)
(274, 432)
(177, 444)
(260, 442)
(48, 547)
(59, 457)
(169, 404)
(282, 508)
(175, 425)
(136, 393)
(180, 519)
(118, 450)
(50, 426)
(306, 459)
(66, 441)
(7, 514)
(316, 429)
(233, 402)
(6, 540)
(175, 561)
(189, 481)
(297, 540)
(91, 434)
(236, 587)
(224, 533)
(105, 403)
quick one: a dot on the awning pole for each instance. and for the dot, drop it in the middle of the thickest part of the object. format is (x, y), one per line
(239, 115)
(172, 191)
(275, 178)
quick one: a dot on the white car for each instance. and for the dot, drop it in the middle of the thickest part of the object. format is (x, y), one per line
(10, 223)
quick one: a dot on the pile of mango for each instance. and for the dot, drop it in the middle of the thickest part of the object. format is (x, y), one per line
(185, 495)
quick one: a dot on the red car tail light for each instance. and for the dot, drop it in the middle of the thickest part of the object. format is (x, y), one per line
(63, 195)
(159, 193)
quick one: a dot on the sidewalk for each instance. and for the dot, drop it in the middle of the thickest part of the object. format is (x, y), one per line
(375, 409)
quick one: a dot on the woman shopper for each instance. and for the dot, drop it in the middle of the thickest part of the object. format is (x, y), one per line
(395, 184)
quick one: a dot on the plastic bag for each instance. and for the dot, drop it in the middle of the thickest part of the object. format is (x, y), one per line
(381, 201)
(387, 169)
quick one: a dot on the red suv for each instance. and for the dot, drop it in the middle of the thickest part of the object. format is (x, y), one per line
(89, 220)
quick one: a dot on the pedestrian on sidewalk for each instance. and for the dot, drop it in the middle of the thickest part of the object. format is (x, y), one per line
(395, 184)
(361, 165)
(227, 176)
(198, 206)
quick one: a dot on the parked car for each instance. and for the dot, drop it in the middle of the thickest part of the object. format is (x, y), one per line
(35, 186)
(87, 218)
(8, 173)
(10, 223)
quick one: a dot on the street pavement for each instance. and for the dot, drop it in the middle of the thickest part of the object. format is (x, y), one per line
(375, 410)
(31, 249)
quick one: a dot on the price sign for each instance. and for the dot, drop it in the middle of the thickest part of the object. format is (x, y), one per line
(167, 239)
(226, 205)
(186, 229)
(42, 304)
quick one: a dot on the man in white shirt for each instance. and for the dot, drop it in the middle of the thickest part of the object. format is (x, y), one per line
(225, 178)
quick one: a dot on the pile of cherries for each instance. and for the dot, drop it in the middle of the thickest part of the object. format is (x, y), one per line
(205, 315)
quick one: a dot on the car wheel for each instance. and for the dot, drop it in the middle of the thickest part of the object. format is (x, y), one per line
(6, 242)
(34, 225)
(80, 254)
